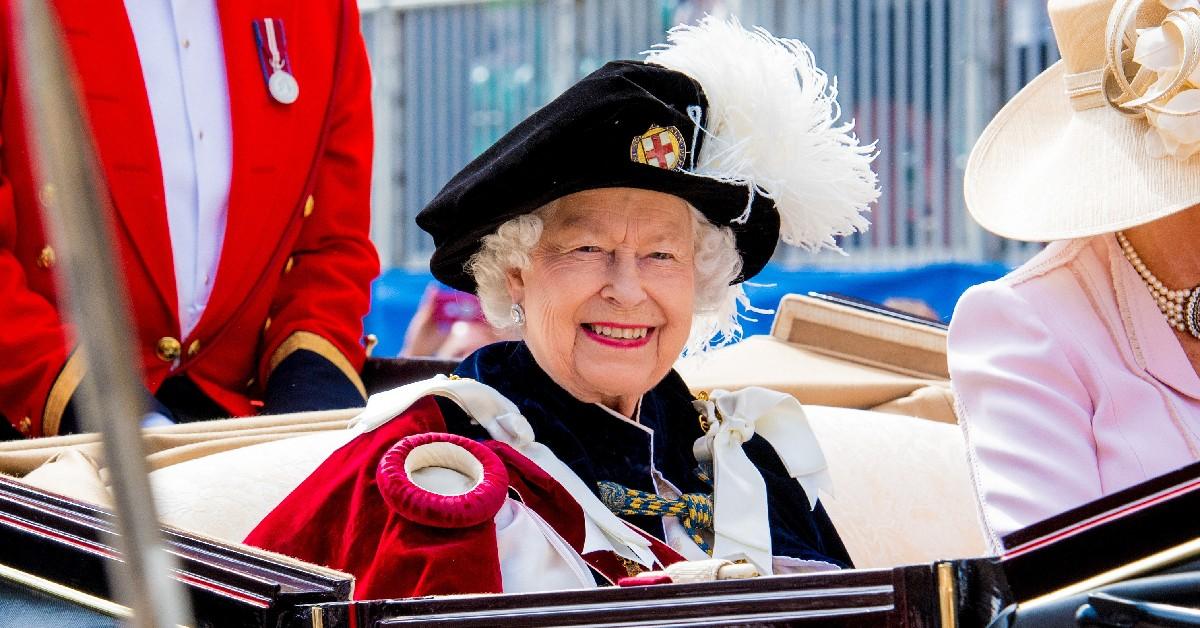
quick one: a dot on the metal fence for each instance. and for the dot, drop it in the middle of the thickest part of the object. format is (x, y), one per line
(921, 76)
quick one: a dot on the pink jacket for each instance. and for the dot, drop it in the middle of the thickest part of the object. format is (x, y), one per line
(1070, 384)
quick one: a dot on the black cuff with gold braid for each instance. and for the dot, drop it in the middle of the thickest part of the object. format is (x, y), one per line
(309, 341)
(305, 381)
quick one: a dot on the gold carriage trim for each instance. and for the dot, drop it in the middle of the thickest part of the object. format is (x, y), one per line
(61, 392)
(64, 592)
(322, 347)
(1183, 552)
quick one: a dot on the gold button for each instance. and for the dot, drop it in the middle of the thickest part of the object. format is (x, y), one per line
(287, 268)
(309, 203)
(167, 349)
(193, 348)
(267, 325)
(250, 383)
(25, 425)
(46, 257)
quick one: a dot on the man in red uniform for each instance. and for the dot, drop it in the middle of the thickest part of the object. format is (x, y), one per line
(236, 141)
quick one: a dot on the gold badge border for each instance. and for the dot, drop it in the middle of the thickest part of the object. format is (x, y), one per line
(655, 130)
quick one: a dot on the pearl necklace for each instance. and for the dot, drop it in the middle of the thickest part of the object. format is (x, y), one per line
(1181, 307)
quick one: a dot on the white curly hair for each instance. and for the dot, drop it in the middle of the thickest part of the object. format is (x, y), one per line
(715, 321)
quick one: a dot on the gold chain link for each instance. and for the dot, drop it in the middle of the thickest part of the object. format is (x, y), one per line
(704, 424)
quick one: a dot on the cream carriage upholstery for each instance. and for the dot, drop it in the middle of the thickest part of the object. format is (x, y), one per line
(902, 491)
(210, 477)
(902, 483)
(828, 354)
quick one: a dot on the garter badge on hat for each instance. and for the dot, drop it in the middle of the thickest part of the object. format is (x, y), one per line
(661, 147)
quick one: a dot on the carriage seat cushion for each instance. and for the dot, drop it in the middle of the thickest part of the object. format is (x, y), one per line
(226, 494)
(75, 474)
(817, 378)
(902, 487)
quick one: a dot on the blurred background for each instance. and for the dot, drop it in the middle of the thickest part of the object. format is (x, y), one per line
(922, 77)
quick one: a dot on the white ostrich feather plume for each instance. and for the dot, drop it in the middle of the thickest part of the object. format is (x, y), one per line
(773, 126)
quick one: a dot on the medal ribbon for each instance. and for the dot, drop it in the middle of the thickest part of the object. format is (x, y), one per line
(271, 38)
(273, 44)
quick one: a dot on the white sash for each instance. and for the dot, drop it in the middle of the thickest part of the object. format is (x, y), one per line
(740, 525)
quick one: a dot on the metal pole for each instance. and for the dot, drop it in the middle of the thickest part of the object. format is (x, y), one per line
(112, 399)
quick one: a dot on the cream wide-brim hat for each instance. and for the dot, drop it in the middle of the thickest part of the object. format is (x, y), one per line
(1058, 162)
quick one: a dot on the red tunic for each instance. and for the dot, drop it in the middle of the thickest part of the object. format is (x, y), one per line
(296, 262)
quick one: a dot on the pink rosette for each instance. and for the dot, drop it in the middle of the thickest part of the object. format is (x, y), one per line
(442, 480)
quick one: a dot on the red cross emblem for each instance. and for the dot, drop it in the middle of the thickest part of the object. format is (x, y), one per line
(661, 147)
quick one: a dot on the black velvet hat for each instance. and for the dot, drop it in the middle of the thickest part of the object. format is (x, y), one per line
(643, 125)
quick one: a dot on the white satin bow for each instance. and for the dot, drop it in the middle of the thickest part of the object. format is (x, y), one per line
(505, 423)
(740, 525)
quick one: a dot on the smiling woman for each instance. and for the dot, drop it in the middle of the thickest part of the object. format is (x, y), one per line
(714, 258)
(609, 293)
(686, 170)
(632, 272)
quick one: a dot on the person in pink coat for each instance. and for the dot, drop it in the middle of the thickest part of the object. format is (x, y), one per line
(1076, 374)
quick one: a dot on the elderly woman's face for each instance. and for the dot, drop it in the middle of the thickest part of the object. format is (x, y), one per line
(609, 295)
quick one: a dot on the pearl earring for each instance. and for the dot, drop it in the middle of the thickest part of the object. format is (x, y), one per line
(518, 314)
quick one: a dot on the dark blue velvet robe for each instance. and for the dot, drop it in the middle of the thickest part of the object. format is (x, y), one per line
(598, 446)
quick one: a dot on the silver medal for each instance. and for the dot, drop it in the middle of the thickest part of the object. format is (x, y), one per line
(283, 87)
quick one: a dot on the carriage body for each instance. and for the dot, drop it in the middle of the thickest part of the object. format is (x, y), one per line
(902, 501)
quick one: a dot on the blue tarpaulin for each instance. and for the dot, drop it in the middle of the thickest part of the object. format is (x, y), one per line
(397, 292)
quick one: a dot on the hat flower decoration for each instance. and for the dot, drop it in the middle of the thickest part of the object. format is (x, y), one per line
(1106, 138)
(1165, 88)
